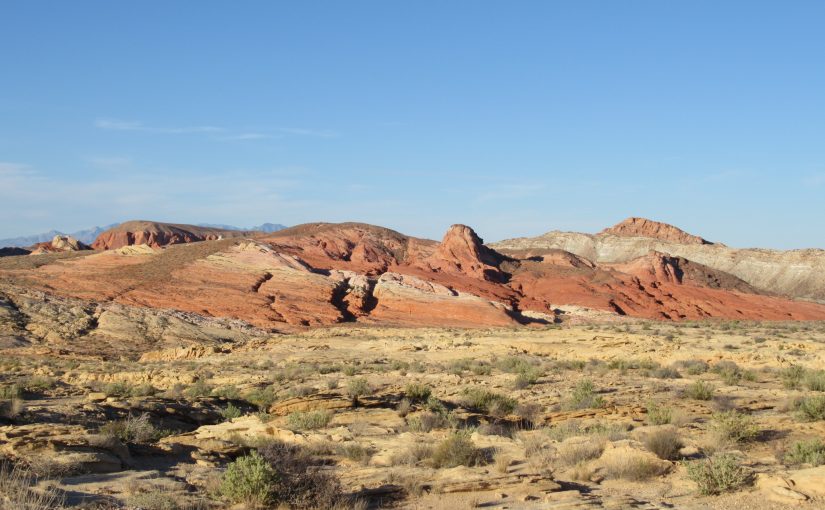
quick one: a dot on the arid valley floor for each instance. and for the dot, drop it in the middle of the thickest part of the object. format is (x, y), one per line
(334, 366)
(557, 417)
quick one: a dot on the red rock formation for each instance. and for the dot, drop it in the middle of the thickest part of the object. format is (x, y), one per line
(157, 234)
(58, 244)
(322, 274)
(641, 227)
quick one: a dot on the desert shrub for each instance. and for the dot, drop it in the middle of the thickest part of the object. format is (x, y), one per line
(142, 390)
(228, 392)
(11, 408)
(693, 366)
(199, 388)
(573, 428)
(37, 384)
(404, 407)
(792, 376)
(427, 421)
(575, 452)
(358, 387)
(584, 396)
(435, 405)
(699, 390)
(17, 490)
(156, 499)
(135, 429)
(231, 412)
(658, 415)
(666, 373)
(10, 391)
(412, 455)
(806, 452)
(417, 392)
(529, 412)
(261, 397)
(354, 452)
(481, 368)
(300, 483)
(308, 420)
(815, 380)
(249, 480)
(457, 450)
(117, 389)
(479, 399)
(719, 473)
(734, 426)
(811, 408)
(664, 442)
(633, 466)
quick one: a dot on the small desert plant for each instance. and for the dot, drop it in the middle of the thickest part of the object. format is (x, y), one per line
(117, 389)
(666, 373)
(811, 408)
(719, 473)
(135, 429)
(404, 407)
(815, 380)
(354, 452)
(417, 392)
(427, 421)
(142, 390)
(11, 408)
(300, 483)
(156, 499)
(261, 397)
(228, 392)
(412, 455)
(699, 390)
(694, 366)
(492, 403)
(664, 442)
(8, 392)
(249, 480)
(575, 452)
(632, 466)
(584, 396)
(659, 415)
(198, 389)
(231, 412)
(17, 491)
(457, 450)
(734, 426)
(806, 452)
(358, 387)
(308, 420)
(792, 376)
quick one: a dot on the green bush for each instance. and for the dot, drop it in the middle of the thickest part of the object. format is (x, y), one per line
(249, 480)
(228, 392)
(815, 380)
(792, 376)
(358, 387)
(308, 420)
(198, 389)
(231, 412)
(658, 415)
(734, 426)
(699, 390)
(811, 408)
(8, 392)
(718, 474)
(489, 402)
(261, 397)
(417, 392)
(584, 396)
(806, 452)
(456, 450)
(135, 429)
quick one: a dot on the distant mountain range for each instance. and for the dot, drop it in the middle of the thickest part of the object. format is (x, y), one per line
(88, 236)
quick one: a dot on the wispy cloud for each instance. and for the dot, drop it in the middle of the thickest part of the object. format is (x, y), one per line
(815, 180)
(123, 125)
(226, 134)
(321, 133)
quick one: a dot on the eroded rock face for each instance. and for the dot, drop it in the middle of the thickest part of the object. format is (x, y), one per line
(462, 251)
(642, 227)
(57, 244)
(155, 234)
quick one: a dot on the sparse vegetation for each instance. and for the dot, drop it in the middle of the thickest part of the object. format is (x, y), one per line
(633, 466)
(734, 426)
(664, 442)
(699, 390)
(457, 450)
(584, 396)
(308, 420)
(249, 480)
(135, 429)
(486, 401)
(810, 452)
(811, 408)
(717, 474)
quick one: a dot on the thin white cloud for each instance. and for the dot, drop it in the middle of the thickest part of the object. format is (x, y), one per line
(122, 125)
(321, 133)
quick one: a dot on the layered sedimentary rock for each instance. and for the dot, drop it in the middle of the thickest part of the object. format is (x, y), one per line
(157, 234)
(794, 273)
(323, 274)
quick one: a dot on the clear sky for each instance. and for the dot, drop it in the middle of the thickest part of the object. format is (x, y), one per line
(513, 117)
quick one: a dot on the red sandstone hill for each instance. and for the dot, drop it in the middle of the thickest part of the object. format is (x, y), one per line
(642, 227)
(321, 274)
(157, 234)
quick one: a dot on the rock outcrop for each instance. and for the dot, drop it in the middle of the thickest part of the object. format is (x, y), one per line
(157, 234)
(57, 244)
(642, 227)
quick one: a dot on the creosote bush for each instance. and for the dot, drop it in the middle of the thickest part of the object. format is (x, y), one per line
(811, 408)
(358, 387)
(734, 426)
(584, 396)
(457, 450)
(308, 420)
(719, 473)
(495, 404)
(249, 480)
(417, 392)
(810, 452)
(699, 390)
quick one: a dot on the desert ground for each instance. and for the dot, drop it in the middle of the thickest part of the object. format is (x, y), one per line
(612, 412)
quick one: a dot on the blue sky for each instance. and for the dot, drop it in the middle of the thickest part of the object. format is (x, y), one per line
(513, 117)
